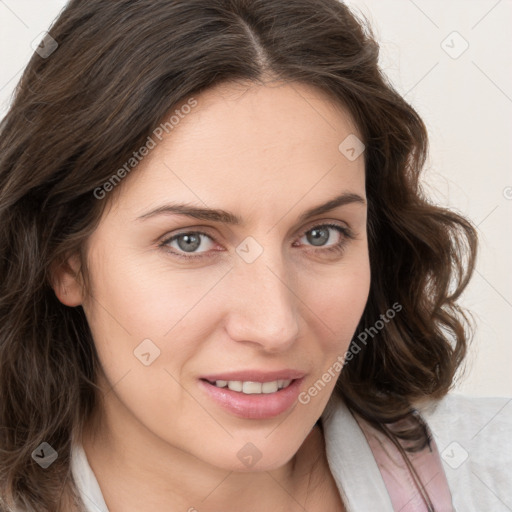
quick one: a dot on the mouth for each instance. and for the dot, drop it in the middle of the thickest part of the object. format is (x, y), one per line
(256, 399)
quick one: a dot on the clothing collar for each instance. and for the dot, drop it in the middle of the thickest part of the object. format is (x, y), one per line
(351, 461)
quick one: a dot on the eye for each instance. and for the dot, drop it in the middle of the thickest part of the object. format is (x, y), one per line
(185, 244)
(319, 235)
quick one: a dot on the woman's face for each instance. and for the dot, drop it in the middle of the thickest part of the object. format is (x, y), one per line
(182, 300)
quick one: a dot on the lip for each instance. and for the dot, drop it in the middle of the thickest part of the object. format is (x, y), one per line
(256, 375)
(254, 406)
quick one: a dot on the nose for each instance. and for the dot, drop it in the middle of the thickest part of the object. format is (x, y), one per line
(262, 307)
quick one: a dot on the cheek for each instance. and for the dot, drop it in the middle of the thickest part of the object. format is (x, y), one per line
(147, 297)
(133, 303)
(145, 326)
(338, 301)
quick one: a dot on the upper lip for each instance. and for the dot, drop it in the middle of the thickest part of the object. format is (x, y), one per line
(256, 375)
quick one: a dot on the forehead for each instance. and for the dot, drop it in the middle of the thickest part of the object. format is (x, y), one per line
(251, 116)
(244, 143)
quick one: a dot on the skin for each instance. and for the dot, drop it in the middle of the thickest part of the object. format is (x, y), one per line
(158, 442)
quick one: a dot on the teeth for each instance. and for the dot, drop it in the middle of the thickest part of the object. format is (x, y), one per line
(270, 387)
(253, 388)
(235, 385)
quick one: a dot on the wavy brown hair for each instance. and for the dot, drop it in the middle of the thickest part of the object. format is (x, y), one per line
(79, 114)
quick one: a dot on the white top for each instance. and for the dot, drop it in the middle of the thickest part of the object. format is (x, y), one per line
(474, 437)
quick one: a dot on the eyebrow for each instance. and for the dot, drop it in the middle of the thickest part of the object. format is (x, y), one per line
(219, 215)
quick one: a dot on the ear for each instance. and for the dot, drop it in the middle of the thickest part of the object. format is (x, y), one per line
(66, 282)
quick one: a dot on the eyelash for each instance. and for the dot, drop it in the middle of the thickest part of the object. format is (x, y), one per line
(337, 248)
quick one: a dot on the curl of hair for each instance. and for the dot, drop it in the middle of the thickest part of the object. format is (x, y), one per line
(79, 114)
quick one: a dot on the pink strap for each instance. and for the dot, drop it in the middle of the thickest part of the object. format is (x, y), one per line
(400, 485)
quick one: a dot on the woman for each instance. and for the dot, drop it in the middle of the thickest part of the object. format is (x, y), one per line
(222, 288)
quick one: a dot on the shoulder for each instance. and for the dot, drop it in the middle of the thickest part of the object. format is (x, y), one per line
(478, 426)
(468, 415)
(474, 438)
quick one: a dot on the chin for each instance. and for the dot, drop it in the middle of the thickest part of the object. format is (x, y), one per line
(253, 455)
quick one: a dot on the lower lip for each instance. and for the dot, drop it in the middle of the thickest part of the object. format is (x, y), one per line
(256, 406)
